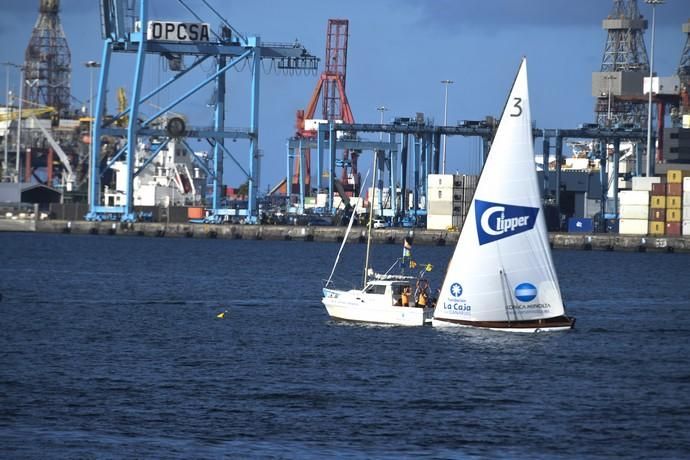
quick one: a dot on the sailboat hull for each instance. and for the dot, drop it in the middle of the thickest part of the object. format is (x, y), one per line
(356, 306)
(558, 323)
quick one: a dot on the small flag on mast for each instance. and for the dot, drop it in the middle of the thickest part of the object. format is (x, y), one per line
(407, 247)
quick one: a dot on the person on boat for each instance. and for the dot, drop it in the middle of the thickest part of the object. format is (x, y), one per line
(422, 293)
(405, 296)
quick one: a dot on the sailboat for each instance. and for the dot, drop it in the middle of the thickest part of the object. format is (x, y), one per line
(501, 275)
(394, 299)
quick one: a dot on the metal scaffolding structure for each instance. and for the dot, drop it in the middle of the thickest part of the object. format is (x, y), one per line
(47, 61)
(623, 66)
(412, 152)
(128, 31)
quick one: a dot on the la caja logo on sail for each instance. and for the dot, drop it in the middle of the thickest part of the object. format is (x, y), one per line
(496, 220)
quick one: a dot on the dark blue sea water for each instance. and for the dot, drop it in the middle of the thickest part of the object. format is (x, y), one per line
(110, 348)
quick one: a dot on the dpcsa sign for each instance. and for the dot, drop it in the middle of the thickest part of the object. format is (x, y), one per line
(177, 31)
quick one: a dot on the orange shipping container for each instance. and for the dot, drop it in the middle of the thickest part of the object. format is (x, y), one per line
(673, 215)
(657, 228)
(659, 189)
(658, 214)
(673, 202)
(673, 229)
(675, 189)
(658, 201)
(195, 213)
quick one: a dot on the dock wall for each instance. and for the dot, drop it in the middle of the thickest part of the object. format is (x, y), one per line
(595, 242)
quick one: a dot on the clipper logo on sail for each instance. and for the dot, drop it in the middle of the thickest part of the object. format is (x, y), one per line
(496, 221)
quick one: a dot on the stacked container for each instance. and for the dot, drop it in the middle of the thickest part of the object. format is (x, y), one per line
(686, 207)
(448, 200)
(674, 202)
(634, 210)
(657, 209)
(634, 206)
(439, 206)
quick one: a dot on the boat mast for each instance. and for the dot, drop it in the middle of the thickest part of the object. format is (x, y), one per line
(371, 218)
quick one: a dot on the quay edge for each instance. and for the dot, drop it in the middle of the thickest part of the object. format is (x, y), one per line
(581, 241)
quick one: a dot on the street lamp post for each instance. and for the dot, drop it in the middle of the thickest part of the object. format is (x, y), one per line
(91, 65)
(8, 101)
(445, 121)
(650, 156)
(19, 122)
(381, 109)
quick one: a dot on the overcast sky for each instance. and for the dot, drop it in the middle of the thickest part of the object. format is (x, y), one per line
(399, 50)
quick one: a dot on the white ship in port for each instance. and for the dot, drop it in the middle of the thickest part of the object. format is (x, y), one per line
(172, 178)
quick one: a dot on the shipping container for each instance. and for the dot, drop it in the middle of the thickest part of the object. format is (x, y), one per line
(659, 189)
(658, 201)
(673, 215)
(633, 226)
(657, 214)
(440, 181)
(580, 225)
(195, 213)
(624, 184)
(644, 183)
(439, 208)
(674, 189)
(673, 229)
(657, 228)
(440, 195)
(675, 176)
(442, 222)
(633, 197)
(686, 227)
(673, 202)
(631, 211)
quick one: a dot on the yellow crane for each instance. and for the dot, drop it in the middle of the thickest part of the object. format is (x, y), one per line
(26, 113)
(121, 107)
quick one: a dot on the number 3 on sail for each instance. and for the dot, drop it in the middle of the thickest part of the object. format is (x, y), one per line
(501, 275)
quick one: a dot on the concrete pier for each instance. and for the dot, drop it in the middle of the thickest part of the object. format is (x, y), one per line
(587, 242)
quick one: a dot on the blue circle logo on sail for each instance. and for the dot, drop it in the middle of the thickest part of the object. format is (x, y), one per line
(525, 292)
(456, 290)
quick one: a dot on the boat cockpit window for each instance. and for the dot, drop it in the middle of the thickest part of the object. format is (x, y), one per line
(376, 289)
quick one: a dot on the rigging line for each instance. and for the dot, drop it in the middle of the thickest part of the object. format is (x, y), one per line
(198, 18)
(347, 232)
(263, 67)
(505, 287)
(505, 284)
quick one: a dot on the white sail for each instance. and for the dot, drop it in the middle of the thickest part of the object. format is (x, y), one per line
(502, 272)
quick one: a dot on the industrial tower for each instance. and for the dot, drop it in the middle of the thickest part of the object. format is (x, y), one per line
(618, 85)
(47, 61)
(334, 104)
(684, 71)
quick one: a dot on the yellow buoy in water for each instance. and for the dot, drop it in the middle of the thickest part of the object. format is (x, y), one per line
(221, 315)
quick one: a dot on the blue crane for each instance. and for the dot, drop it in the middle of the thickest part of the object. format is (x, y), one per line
(126, 31)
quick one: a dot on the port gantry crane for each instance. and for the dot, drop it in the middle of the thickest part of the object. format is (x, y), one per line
(335, 107)
(125, 31)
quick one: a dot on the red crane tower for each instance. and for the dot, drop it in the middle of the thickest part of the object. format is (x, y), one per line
(335, 106)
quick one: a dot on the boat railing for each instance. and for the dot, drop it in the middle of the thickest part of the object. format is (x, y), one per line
(388, 277)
